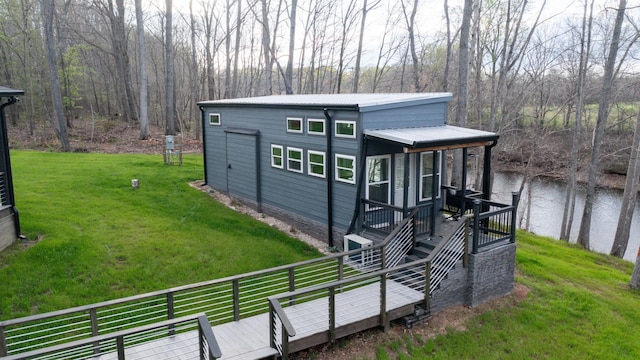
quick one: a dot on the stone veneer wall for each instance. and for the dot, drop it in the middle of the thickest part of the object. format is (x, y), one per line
(491, 273)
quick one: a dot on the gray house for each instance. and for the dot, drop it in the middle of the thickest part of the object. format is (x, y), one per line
(342, 163)
(9, 221)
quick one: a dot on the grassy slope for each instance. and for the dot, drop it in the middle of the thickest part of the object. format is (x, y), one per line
(579, 307)
(101, 239)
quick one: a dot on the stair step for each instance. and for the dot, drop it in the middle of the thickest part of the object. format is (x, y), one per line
(421, 252)
(429, 244)
(410, 258)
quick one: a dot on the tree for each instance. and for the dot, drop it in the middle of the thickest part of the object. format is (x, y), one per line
(621, 239)
(142, 69)
(603, 114)
(60, 125)
(363, 20)
(635, 277)
(410, 20)
(169, 75)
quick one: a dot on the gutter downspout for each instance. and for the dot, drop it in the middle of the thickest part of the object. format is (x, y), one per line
(9, 176)
(329, 168)
(360, 185)
(204, 146)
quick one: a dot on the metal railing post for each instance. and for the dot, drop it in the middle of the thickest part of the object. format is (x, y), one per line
(3, 342)
(236, 299)
(427, 286)
(201, 342)
(384, 319)
(476, 225)
(120, 346)
(272, 326)
(332, 314)
(292, 284)
(170, 312)
(93, 314)
(465, 254)
(383, 257)
(514, 215)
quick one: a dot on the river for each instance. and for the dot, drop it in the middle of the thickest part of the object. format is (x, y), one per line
(547, 204)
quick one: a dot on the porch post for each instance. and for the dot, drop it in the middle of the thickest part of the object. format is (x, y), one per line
(463, 186)
(486, 172)
(435, 166)
(405, 185)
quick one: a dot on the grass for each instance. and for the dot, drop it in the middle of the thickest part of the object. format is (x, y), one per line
(579, 307)
(92, 237)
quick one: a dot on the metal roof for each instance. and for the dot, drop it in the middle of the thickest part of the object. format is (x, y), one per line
(433, 136)
(356, 102)
(6, 92)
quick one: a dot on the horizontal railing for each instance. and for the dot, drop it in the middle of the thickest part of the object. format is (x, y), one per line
(182, 345)
(222, 300)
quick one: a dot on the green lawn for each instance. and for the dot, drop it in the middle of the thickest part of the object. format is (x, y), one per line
(100, 239)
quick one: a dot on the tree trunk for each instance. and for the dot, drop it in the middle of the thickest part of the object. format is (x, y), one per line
(635, 277)
(570, 195)
(621, 240)
(142, 68)
(288, 75)
(170, 77)
(195, 93)
(236, 55)
(266, 48)
(356, 72)
(603, 114)
(60, 125)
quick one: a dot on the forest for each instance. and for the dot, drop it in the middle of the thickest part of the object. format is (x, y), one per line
(558, 82)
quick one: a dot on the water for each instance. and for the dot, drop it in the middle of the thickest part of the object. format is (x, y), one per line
(547, 205)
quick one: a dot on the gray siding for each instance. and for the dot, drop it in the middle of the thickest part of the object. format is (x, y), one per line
(406, 117)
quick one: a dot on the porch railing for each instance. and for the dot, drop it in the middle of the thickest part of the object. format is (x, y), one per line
(493, 222)
(384, 218)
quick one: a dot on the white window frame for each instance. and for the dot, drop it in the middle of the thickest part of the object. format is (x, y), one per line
(310, 132)
(352, 169)
(301, 161)
(311, 163)
(345, 135)
(273, 156)
(218, 123)
(295, 131)
(437, 173)
(388, 181)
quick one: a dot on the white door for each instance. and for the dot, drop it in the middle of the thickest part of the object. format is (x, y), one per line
(399, 181)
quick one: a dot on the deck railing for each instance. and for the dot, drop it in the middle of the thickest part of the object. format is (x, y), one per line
(222, 300)
(384, 218)
(4, 200)
(114, 344)
(493, 222)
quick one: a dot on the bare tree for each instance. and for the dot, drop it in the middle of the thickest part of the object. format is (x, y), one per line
(410, 20)
(635, 277)
(363, 20)
(288, 76)
(169, 72)
(603, 114)
(60, 125)
(194, 79)
(570, 194)
(142, 68)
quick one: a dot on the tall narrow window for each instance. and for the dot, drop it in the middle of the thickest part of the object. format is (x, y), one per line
(346, 168)
(429, 174)
(378, 183)
(214, 119)
(294, 159)
(345, 129)
(277, 153)
(316, 163)
(294, 125)
(315, 126)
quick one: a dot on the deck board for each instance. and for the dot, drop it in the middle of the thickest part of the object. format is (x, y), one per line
(250, 336)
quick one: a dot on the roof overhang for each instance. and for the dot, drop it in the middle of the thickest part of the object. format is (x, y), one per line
(434, 138)
(7, 92)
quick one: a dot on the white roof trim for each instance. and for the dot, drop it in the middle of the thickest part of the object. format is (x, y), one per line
(432, 135)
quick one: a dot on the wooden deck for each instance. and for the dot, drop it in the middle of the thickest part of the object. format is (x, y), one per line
(249, 338)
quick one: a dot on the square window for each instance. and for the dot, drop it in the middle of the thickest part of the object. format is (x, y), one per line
(294, 125)
(316, 163)
(214, 119)
(346, 129)
(315, 126)
(277, 153)
(294, 159)
(346, 168)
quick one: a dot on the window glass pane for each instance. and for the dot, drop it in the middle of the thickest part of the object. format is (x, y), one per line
(294, 160)
(427, 182)
(294, 124)
(427, 163)
(379, 170)
(345, 168)
(295, 155)
(379, 192)
(346, 128)
(214, 119)
(316, 126)
(316, 163)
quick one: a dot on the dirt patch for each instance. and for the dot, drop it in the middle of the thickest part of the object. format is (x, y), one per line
(363, 345)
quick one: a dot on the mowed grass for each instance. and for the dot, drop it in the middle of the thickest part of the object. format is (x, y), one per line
(579, 307)
(91, 237)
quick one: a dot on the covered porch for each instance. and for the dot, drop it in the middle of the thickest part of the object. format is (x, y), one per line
(405, 175)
